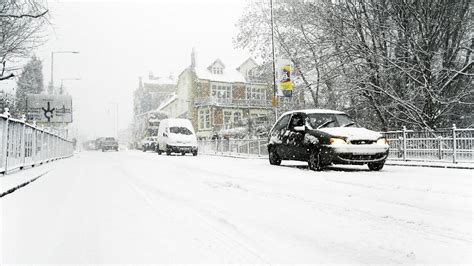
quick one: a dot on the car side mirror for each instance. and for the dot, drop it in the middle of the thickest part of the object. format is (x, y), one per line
(300, 129)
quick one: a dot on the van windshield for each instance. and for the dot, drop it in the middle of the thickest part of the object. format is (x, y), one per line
(180, 130)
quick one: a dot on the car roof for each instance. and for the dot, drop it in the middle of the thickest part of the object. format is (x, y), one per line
(314, 111)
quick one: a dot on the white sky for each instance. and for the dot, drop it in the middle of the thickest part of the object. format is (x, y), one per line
(119, 41)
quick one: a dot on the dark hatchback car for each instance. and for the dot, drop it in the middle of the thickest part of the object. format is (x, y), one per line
(109, 144)
(325, 137)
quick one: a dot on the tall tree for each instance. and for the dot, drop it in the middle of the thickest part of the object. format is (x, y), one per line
(389, 63)
(29, 82)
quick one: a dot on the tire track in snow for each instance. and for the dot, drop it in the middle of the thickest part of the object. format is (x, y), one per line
(211, 222)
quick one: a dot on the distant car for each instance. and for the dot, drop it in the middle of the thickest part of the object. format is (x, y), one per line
(325, 137)
(149, 144)
(109, 144)
(177, 136)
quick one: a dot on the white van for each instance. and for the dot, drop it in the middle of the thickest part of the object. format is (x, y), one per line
(177, 136)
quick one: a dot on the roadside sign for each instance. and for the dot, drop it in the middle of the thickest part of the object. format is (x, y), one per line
(49, 108)
(284, 73)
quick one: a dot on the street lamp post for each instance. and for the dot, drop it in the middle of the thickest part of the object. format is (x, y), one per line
(52, 66)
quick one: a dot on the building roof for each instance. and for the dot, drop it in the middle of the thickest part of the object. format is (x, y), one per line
(167, 102)
(228, 75)
(160, 81)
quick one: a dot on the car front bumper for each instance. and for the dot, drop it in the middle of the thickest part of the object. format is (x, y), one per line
(355, 154)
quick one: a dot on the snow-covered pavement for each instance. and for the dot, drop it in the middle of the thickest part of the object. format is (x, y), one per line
(134, 207)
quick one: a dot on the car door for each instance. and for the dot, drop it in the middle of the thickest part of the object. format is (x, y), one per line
(293, 139)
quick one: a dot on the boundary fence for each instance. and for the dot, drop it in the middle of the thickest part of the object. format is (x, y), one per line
(445, 145)
(22, 145)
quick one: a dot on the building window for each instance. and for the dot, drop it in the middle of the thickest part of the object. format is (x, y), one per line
(227, 119)
(232, 118)
(204, 117)
(255, 93)
(222, 91)
(217, 70)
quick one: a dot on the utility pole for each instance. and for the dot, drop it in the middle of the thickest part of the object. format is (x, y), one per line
(274, 100)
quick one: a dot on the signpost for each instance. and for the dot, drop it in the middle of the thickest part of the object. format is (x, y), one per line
(49, 108)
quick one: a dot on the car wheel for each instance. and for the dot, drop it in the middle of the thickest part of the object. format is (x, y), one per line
(144, 149)
(183, 153)
(168, 152)
(274, 158)
(376, 166)
(314, 161)
(195, 153)
(159, 151)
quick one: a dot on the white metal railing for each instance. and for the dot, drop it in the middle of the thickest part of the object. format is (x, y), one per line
(453, 145)
(257, 147)
(450, 145)
(22, 145)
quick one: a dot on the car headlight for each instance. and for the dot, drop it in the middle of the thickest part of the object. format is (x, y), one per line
(337, 141)
(382, 141)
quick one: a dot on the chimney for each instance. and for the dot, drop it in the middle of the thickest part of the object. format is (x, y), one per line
(193, 58)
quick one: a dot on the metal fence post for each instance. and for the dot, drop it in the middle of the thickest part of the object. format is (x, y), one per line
(258, 143)
(23, 146)
(454, 143)
(440, 151)
(5, 145)
(216, 148)
(404, 143)
(248, 146)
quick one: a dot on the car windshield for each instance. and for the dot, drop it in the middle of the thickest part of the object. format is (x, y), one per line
(330, 120)
(180, 130)
(109, 139)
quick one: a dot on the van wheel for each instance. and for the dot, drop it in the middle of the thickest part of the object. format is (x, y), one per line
(314, 161)
(273, 157)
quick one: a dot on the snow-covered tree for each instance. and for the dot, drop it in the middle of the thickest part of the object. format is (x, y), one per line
(29, 82)
(387, 63)
(21, 22)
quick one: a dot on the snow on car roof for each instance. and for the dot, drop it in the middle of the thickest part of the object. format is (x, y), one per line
(314, 111)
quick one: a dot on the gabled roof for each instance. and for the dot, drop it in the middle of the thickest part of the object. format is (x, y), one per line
(245, 62)
(217, 61)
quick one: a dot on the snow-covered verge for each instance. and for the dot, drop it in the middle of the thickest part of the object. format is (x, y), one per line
(20, 177)
(134, 207)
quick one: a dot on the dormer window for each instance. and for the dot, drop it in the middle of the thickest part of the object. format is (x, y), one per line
(217, 70)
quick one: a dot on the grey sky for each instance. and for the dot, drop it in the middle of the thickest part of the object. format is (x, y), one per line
(121, 40)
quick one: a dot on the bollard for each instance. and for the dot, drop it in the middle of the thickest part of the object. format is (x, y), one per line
(404, 143)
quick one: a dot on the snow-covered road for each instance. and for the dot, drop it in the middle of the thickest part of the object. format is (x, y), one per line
(134, 207)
